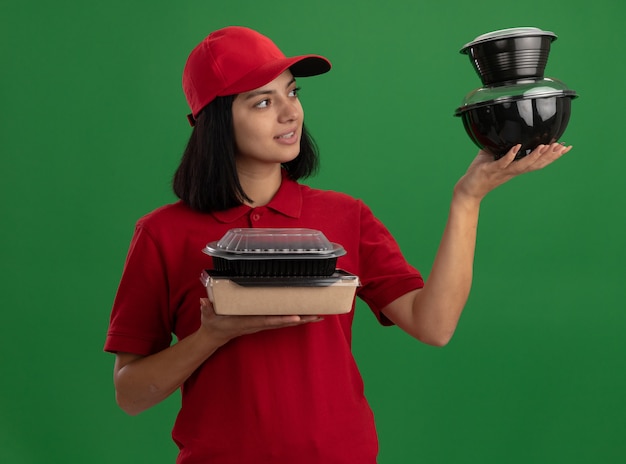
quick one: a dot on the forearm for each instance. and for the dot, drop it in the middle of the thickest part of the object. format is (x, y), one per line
(146, 381)
(432, 313)
(438, 306)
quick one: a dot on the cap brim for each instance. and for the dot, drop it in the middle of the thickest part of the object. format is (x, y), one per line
(310, 65)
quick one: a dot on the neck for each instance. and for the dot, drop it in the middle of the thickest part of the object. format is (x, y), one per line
(260, 185)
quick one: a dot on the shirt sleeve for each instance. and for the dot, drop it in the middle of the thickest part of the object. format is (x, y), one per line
(384, 272)
(140, 321)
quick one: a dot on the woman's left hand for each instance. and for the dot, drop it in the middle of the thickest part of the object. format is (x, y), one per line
(432, 313)
(485, 173)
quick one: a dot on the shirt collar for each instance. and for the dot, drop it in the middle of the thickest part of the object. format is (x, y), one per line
(286, 201)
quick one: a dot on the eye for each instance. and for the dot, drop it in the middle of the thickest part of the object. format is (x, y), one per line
(263, 103)
(294, 92)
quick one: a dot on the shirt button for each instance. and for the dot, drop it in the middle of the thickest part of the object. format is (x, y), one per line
(256, 216)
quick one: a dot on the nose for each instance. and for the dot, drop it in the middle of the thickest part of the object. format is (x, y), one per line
(290, 111)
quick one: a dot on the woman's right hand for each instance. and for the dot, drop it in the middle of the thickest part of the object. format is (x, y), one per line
(143, 381)
(224, 328)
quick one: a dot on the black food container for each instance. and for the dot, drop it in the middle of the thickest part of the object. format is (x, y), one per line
(510, 54)
(530, 112)
(517, 104)
(270, 253)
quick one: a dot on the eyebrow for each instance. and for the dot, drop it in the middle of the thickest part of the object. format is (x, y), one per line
(256, 93)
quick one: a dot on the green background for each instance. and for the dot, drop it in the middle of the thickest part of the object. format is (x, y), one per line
(92, 125)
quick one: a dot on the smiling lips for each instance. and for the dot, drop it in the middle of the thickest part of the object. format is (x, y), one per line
(289, 137)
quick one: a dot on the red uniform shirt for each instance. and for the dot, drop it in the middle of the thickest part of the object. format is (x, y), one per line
(280, 396)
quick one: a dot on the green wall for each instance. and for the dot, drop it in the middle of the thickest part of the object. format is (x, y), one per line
(92, 125)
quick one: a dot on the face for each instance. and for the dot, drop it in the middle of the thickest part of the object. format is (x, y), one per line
(268, 123)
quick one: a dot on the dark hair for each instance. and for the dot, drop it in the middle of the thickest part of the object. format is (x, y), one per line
(207, 179)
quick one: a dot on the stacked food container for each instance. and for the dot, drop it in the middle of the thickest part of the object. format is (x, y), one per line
(277, 271)
(517, 104)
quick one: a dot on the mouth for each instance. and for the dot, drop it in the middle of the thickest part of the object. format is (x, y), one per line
(288, 135)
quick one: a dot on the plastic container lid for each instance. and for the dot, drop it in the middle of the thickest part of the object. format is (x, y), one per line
(513, 32)
(273, 243)
(522, 90)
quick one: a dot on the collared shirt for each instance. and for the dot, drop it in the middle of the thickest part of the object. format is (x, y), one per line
(285, 395)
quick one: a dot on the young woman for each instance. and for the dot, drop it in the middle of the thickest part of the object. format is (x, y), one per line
(273, 389)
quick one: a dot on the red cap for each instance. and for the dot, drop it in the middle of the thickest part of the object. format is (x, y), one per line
(236, 59)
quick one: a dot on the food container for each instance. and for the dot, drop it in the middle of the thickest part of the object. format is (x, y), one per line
(510, 54)
(295, 252)
(529, 112)
(280, 296)
(517, 104)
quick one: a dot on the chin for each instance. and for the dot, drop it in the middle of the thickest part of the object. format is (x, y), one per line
(289, 157)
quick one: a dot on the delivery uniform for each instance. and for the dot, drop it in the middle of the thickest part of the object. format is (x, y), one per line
(289, 395)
